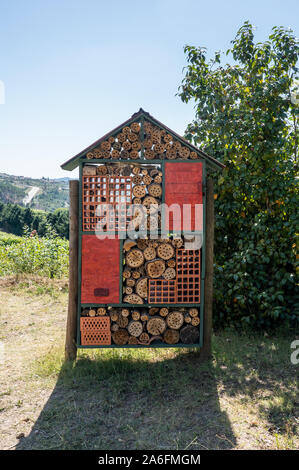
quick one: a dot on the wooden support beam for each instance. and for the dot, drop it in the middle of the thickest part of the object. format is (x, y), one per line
(71, 326)
(205, 351)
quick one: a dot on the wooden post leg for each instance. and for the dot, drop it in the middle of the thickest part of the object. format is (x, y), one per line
(71, 326)
(205, 351)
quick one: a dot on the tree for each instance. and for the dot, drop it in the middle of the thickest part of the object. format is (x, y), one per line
(246, 116)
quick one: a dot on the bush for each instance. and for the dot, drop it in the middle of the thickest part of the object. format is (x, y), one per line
(247, 117)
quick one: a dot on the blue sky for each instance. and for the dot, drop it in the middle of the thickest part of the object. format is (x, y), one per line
(75, 69)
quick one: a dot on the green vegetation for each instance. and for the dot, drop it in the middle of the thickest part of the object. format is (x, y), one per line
(46, 256)
(246, 117)
(53, 193)
(13, 218)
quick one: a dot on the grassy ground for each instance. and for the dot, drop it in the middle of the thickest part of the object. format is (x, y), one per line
(245, 398)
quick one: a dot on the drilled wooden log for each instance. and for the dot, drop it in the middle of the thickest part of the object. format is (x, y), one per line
(171, 336)
(144, 317)
(128, 244)
(149, 253)
(141, 287)
(169, 273)
(144, 338)
(151, 203)
(137, 179)
(195, 321)
(155, 190)
(127, 145)
(114, 327)
(139, 190)
(156, 326)
(155, 268)
(134, 258)
(106, 145)
(133, 299)
(141, 243)
(194, 155)
(184, 152)
(147, 179)
(126, 273)
(187, 318)
(128, 290)
(114, 315)
(189, 334)
(122, 321)
(130, 282)
(125, 312)
(135, 127)
(177, 242)
(165, 251)
(102, 170)
(120, 336)
(132, 340)
(135, 328)
(175, 320)
(135, 315)
(101, 311)
(149, 154)
(136, 170)
(92, 312)
(171, 263)
(163, 311)
(193, 312)
(153, 310)
(136, 274)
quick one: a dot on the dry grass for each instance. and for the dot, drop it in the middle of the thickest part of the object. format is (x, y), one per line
(246, 398)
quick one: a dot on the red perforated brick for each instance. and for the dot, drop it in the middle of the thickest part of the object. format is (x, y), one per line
(95, 331)
(188, 276)
(162, 291)
(105, 199)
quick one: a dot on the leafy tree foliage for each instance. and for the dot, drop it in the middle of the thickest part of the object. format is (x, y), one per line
(13, 218)
(246, 115)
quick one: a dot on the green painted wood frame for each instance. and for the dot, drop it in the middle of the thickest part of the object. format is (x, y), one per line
(200, 305)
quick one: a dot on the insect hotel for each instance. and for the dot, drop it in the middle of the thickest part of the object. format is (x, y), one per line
(141, 240)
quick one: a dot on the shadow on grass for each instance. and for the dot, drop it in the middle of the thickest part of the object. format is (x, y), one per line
(131, 400)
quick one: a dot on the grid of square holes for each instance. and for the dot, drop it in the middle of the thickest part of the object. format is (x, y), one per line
(162, 291)
(99, 194)
(188, 276)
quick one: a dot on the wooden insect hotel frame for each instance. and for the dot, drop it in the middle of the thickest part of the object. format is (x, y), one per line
(141, 240)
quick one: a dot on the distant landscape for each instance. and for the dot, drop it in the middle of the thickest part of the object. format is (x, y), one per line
(36, 193)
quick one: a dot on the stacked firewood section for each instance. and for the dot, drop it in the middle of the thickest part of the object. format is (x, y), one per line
(159, 144)
(125, 145)
(138, 141)
(146, 260)
(146, 326)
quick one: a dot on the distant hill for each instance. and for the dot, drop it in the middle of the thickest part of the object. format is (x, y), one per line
(37, 193)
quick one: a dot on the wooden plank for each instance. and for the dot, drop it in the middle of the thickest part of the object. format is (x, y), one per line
(205, 351)
(71, 326)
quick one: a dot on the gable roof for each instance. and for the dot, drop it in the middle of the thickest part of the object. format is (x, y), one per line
(73, 162)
